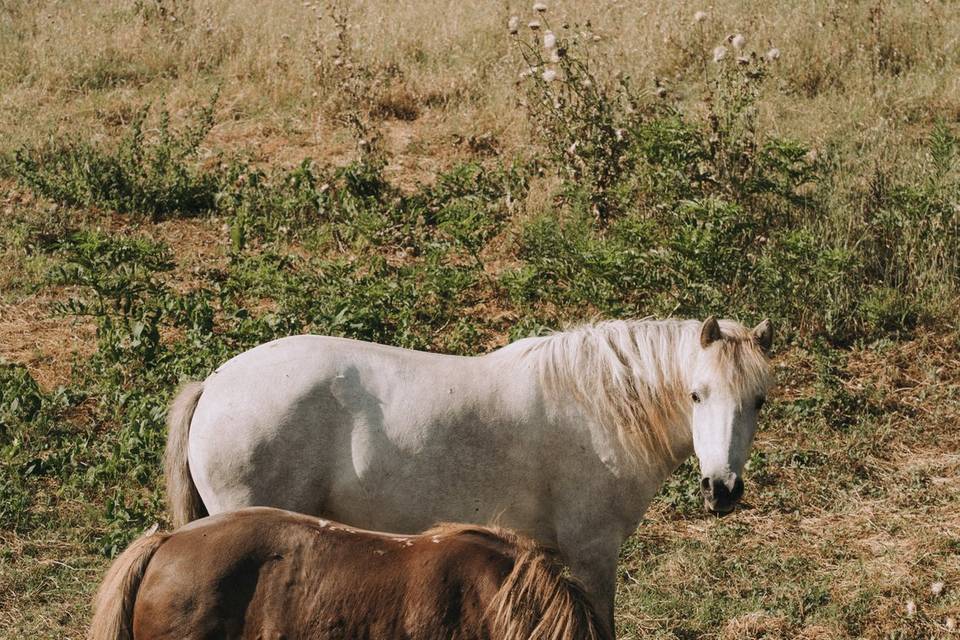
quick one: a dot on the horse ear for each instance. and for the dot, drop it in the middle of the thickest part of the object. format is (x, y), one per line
(763, 335)
(710, 332)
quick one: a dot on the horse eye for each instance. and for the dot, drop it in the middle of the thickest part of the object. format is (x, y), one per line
(695, 396)
(760, 402)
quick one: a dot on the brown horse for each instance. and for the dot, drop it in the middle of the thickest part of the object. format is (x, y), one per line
(268, 573)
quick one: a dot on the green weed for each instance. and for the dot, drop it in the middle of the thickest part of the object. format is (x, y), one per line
(155, 176)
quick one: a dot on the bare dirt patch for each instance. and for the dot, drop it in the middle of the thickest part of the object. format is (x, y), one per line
(47, 344)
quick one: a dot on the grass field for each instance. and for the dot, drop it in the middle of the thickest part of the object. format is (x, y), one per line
(180, 181)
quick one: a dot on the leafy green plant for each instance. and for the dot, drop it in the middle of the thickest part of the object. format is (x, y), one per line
(28, 446)
(155, 175)
(20, 397)
(122, 276)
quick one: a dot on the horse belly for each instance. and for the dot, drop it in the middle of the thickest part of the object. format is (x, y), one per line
(352, 469)
(411, 475)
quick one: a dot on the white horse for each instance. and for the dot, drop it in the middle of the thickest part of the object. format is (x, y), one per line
(566, 437)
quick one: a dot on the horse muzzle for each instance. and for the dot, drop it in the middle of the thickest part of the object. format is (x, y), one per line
(720, 495)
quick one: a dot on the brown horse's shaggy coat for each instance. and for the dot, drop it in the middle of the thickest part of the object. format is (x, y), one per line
(268, 573)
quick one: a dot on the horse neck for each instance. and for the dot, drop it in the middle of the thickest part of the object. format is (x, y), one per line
(678, 355)
(631, 378)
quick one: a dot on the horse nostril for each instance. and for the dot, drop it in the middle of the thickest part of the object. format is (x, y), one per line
(737, 492)
(705, 486)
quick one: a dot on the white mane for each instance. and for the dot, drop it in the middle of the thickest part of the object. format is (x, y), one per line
(634, 376)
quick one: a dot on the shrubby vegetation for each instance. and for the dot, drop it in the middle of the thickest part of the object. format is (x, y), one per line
(157, 178)
(657, 211)
(664, 211)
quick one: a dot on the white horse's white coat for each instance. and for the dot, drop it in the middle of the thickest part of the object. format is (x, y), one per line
(566, 438)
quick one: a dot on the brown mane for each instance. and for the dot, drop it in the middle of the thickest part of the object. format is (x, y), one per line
(506, 537)
(537, 600)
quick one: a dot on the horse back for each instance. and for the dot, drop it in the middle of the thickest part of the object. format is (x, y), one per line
(265, 572)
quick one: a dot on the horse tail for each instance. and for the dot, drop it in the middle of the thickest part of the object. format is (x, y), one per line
(113, 606)
(538, 602)
(183, 500)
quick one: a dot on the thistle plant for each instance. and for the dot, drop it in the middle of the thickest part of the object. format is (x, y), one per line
(353, 86)
(741, 161)
(731, 100)
(581, 117)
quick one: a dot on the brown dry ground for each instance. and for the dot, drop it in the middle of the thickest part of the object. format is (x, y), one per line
(857, 558)
(843, 527)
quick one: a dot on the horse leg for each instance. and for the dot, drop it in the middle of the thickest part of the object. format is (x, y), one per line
(594, 564)
(602, 588)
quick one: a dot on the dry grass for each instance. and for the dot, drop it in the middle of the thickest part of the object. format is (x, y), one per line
(820, 553)
(845, 523)
(449, 65)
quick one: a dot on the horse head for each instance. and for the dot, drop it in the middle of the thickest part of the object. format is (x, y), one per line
(729, 385)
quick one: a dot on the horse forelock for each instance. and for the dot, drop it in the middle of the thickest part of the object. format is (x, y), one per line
(740, 362)
(634, 376)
